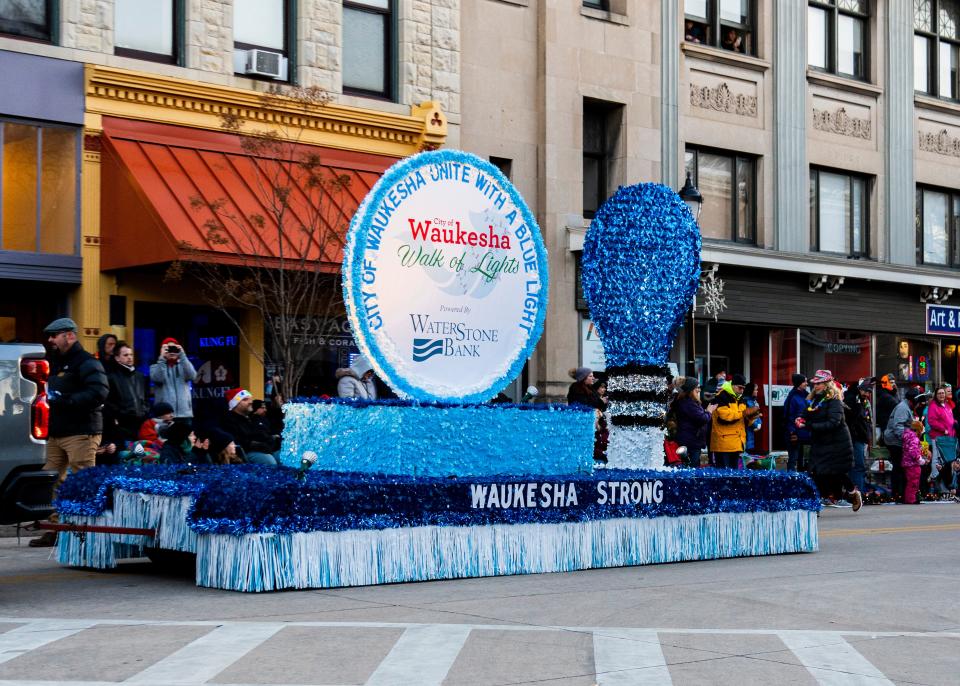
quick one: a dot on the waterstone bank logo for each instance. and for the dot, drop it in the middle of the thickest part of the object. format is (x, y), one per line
(445, 278)
(458, 339)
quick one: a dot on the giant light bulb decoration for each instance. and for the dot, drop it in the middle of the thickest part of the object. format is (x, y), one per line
(640, 271)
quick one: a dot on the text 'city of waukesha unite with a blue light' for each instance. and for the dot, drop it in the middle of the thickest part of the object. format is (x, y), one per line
(406, 189)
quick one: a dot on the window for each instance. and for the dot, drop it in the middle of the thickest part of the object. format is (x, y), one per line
(728, 183)
(266, 26)
(726, 24)
(838, 213)
(601, 132)
(260, 24)
(39, 190)
(34, 19)
(837, 36)
(368, 47)
(597, 4)
(146, 29)
(936, 47)
(504, 164)
(938, 223)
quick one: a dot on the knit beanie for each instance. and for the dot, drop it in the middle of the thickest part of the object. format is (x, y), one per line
(160, 409)
(797, 379)
(689, 384)
(580, 373)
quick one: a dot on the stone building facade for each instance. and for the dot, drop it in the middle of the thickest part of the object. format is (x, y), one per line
(814, 146)
(108, 94)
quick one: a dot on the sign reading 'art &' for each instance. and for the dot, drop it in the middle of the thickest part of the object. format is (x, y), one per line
(943, 319)
(445, 278)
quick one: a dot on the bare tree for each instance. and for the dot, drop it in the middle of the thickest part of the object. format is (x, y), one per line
(282, 259)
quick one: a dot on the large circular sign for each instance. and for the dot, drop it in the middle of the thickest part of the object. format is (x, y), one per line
(445, 278)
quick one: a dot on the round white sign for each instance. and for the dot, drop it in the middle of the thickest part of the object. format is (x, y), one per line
(445, 278)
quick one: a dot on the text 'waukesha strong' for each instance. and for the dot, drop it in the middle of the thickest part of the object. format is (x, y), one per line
(552, 495)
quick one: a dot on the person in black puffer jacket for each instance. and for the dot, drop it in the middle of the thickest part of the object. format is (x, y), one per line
(856, 413)
(76, 390)
(831, 450)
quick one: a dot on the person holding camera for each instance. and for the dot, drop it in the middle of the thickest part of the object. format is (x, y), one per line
(171, 375)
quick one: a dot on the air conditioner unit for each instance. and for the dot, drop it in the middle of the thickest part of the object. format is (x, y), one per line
(264, 63)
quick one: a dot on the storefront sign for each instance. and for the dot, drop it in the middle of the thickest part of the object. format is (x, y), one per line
(943, 320)
(591, 349)
(842, 348)
(777, 394)
(445, 278)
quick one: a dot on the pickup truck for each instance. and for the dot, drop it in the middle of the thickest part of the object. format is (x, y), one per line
(25, 488)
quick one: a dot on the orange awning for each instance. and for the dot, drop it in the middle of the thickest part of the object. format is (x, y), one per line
(159, 183)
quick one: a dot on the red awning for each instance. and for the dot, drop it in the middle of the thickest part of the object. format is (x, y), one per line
(159, 182)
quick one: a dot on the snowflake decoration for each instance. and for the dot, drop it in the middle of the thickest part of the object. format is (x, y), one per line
(714, 301)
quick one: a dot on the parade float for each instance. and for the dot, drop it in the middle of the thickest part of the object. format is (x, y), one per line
(445, 285)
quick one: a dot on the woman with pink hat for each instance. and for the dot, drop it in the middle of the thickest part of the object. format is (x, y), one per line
(831, 449)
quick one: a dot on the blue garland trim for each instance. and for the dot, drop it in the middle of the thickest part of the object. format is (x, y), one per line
(353, 264)
(441, 404)
(247, 499)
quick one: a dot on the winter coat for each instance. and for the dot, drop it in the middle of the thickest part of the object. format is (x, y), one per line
(900, 419)
(753, 425)
(886, 401)
(857, 417)
(173, 454)
(912, 454)
(350, 383)
(172, 382)
(246, 434)
(831, 450)
(692, 422)
(126, 399)
(728, 433)
(794, 406)
(76, 390)
(940, 419)
(150, 430)
(580, 393)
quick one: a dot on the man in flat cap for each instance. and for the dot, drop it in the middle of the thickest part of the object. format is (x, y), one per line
(76, 391)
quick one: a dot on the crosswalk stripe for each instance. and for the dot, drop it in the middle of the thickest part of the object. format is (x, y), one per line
(624, 657)
(831, 660)
(37, 634)
(207, 656)
(481, 627)
(421, 657)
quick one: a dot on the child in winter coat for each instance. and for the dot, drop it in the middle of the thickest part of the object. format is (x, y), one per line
(914, 457)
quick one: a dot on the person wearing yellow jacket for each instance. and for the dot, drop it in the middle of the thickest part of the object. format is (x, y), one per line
(728, 433)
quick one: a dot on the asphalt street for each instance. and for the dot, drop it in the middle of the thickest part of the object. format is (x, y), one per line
(876, 605)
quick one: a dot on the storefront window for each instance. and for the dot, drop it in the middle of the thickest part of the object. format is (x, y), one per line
(208, 337)
(328, 344)
(845, 353)
(784, 363)
(39, 188)
(914, 360)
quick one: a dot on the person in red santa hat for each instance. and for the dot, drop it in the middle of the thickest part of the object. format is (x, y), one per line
(257, 446)
(171, 375)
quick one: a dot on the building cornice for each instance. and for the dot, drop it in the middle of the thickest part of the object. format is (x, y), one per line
(163, 99)
(739, 255)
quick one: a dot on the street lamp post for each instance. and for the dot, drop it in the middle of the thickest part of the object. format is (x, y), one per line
(691, 195)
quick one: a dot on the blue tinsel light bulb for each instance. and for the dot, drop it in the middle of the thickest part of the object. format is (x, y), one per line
(640, 271)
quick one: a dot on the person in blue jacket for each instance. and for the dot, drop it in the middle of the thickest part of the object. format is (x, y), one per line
(756, 423)
(797, 437)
